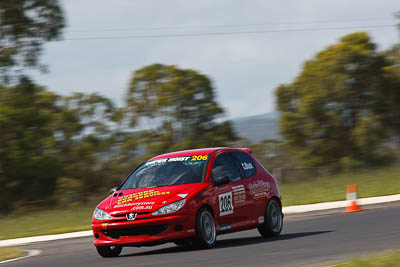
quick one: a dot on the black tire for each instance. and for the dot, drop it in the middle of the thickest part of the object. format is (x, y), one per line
(206, 232)
(273, 220)
(109, 251)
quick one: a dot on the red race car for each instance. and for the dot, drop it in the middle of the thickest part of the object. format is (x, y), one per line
(188, 197)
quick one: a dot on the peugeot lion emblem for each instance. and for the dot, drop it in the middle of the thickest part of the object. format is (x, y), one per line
(131, 216)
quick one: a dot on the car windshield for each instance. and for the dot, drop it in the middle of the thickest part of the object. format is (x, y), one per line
(167, 171)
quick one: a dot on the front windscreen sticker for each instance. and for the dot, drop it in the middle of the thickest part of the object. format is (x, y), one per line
(199, 157)
(176, 159)
(225, 204)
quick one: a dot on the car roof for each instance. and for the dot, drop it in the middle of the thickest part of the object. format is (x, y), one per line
(191, 152)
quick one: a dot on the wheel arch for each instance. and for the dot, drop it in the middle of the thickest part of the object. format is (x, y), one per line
(210, 209)
(206, 206)
(277, 199)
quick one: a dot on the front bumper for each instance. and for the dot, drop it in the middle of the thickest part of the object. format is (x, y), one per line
(144, 231)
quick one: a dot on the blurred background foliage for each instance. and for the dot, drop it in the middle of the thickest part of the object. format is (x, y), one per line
(178, 107)
(343, 108)
(65, 149)
(25, 26)
(341, 112)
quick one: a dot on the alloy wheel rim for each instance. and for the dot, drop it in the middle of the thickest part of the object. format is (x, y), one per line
(208, 228)
(275, 217)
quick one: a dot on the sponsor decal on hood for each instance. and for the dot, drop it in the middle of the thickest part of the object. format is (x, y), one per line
(148, 205)
(148, 199)
(141, 195)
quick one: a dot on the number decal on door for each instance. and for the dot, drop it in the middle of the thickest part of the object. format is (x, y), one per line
(225, 204)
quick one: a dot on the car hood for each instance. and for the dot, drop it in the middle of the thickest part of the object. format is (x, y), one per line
(147, 199)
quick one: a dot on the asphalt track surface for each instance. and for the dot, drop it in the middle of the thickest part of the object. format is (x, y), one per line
(316, 240)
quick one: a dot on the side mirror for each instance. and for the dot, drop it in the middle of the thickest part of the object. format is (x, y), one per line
(113, 190)
(221, 180)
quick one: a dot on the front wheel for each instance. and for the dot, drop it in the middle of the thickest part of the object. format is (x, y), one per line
(109, 251)
(273, 220)
(206, 234)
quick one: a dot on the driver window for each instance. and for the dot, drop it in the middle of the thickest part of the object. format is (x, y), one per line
(225, 166)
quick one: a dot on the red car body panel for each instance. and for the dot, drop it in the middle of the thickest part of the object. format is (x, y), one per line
(249, 199)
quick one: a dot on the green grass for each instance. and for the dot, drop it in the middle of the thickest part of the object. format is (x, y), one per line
(46, 222)
(370, 183)
(9, 253)
(389, 260)
(331, 188)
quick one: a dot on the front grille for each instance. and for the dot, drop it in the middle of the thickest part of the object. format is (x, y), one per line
(142, 230)
(124, 214)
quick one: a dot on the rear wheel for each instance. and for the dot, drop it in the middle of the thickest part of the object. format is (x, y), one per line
(206, 233)
(109, 251)
(273, 220)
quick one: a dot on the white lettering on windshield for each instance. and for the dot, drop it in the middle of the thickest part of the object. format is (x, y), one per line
(178, 159)
(156, 162)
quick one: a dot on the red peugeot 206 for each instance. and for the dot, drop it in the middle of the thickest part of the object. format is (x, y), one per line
(188, 197)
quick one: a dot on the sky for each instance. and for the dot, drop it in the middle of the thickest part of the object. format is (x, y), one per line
(244, 68)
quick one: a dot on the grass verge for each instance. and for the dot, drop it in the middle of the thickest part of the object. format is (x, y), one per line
(388, 260)
(46, 222)
(330, 188)
(380, 182)
(10, 253)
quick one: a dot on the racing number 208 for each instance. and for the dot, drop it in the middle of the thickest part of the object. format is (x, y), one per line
(225, 204)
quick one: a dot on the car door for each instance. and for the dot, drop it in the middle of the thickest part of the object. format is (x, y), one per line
(230, 213)
(256, 189)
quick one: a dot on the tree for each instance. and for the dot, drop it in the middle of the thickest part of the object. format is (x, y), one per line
(58, 149)
(179, 107)
(85, 138)
(28, 162)
(343, 106)
(25, 25)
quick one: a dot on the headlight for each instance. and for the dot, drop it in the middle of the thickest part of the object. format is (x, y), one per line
(170, 207)
(99, 214)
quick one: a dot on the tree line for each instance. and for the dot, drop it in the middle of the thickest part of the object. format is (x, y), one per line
(341, 111)
(58, 147)
(343, 108)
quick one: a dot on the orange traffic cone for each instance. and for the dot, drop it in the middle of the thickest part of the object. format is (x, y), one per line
(351, 196)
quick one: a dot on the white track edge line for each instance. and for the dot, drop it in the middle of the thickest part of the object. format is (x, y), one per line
(286, 210)
(31, 253)
(338, 204)
(33, 239)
